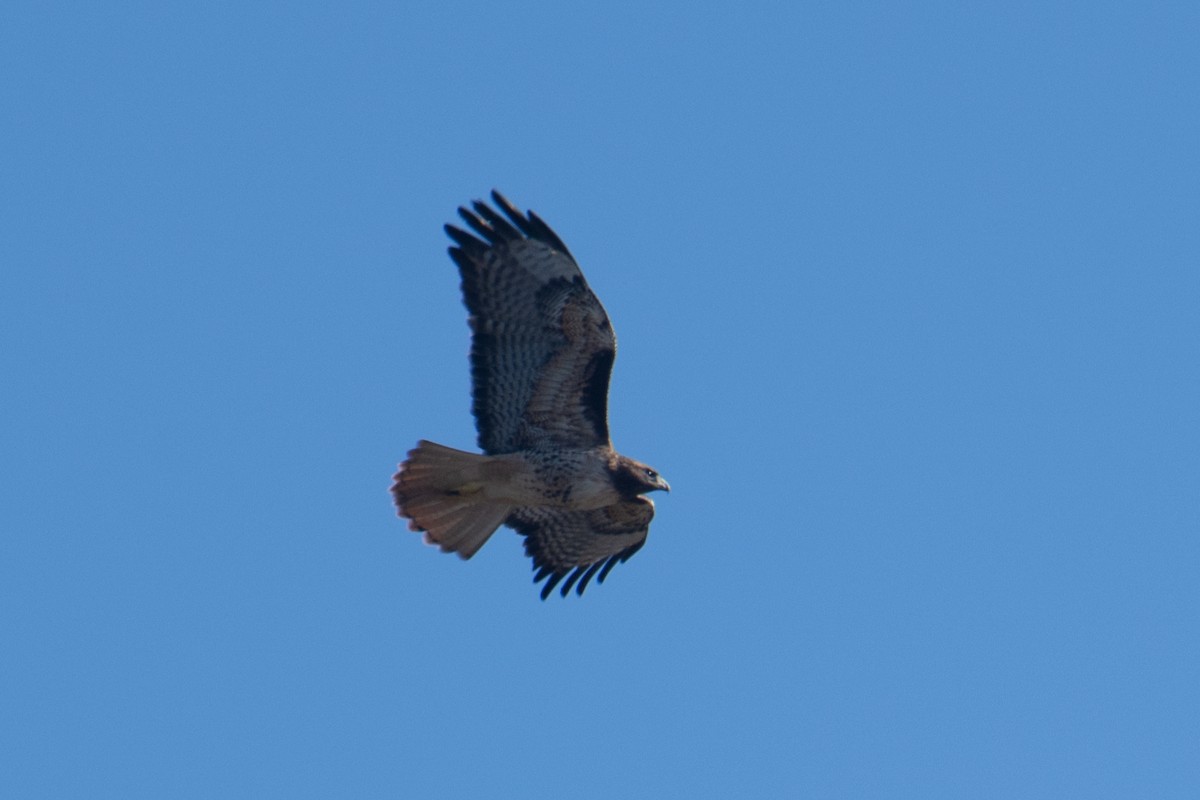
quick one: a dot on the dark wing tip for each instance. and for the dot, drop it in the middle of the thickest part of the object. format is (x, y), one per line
(500, 227)
(543, 232)
(551, 582)
(493, 229)
(465, 241)
(566, 587)
(579, 578)
(619, 558)
(480, 225)
(587, 576)
(553, 578)
(511, 211)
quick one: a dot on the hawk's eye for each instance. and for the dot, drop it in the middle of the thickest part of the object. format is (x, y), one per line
(651, 474)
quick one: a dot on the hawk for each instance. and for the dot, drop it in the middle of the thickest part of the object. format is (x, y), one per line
(542, 350)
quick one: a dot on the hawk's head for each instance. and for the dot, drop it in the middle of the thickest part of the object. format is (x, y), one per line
(633, 478)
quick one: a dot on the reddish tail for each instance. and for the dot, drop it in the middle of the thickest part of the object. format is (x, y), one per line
(439, 490)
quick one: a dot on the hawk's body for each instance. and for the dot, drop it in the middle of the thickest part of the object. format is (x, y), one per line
(541, 354)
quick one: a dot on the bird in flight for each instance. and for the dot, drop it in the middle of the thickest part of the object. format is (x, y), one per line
(542, 350)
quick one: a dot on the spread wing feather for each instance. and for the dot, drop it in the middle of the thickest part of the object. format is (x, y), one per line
(577, 545)
(542, 347)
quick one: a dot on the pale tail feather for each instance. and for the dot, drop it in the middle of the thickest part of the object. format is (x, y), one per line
(438, 490)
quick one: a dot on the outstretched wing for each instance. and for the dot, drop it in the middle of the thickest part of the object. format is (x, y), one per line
(577, 545)
(542, 347)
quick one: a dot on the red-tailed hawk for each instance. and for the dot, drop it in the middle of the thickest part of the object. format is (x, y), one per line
(542, 350)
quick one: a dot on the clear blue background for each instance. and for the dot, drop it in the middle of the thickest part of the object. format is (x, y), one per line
(909, 304)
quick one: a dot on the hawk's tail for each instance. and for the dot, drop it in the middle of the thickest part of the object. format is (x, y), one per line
(440, 491)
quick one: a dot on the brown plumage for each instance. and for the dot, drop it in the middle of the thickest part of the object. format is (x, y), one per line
(542, 350)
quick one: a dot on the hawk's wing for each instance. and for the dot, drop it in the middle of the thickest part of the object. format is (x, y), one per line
(581, 544)
(542, 347)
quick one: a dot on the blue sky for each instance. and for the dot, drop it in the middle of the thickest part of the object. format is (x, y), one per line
(907, 301)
